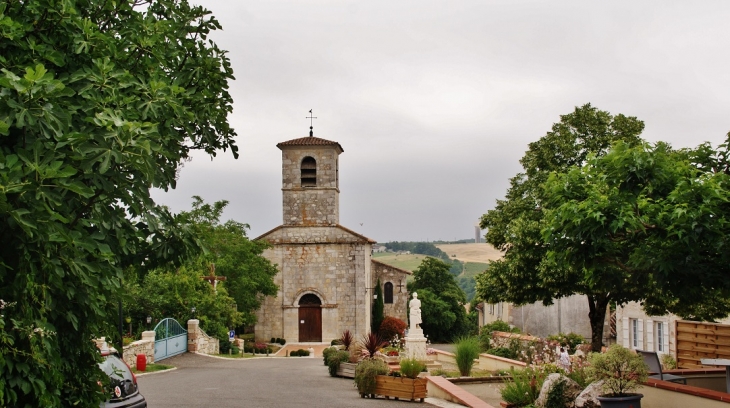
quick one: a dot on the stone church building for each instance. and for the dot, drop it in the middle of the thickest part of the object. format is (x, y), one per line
(327, 276)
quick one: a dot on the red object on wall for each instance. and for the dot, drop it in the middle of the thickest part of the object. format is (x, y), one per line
(141, 362)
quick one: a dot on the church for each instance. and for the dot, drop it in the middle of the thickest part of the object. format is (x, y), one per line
(327, 276)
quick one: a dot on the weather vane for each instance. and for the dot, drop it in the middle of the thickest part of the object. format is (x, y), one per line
(311, 123)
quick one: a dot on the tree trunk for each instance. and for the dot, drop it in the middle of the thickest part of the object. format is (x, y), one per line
(597, 305)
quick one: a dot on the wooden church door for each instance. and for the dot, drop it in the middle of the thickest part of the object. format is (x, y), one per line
(310, 319)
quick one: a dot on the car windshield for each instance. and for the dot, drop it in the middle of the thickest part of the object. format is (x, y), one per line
(115, 368)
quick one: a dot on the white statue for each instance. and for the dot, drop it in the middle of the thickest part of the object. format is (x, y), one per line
(415, 311)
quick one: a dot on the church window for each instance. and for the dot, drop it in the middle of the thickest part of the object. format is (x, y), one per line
(309, 299)
(309, 172)
(388, 295)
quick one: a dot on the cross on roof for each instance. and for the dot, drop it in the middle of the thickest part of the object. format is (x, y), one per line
(212, 278)
(311, 118)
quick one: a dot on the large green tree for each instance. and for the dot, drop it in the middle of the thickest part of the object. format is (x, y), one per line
(646, 224)
(249, 276)
(442, 301)
(100, 101)
(515, 224)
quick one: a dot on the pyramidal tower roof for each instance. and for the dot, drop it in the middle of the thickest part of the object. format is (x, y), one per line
(309, 141)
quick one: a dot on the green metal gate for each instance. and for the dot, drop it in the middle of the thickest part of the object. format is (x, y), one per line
(170, 339)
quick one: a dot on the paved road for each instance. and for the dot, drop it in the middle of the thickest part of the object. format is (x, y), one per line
(202, 381)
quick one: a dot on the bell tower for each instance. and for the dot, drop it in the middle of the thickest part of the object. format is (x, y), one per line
(310, 181)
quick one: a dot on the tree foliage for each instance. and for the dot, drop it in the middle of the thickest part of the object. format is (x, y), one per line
(442, 301)
(378, 309)
(100, 101)
(647, 224)
(515, 224)
(249, 276)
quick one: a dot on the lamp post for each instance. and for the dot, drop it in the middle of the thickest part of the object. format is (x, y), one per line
(192, 310)
(149, 320)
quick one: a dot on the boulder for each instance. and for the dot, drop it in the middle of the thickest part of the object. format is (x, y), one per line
(571, 391)
(587, 398)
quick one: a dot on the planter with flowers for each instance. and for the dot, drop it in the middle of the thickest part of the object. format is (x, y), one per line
(404, 384)
(622, 372)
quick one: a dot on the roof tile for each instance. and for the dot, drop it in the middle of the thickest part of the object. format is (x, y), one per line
(309, 141)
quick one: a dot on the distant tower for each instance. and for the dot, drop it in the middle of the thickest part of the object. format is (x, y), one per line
(477, 234)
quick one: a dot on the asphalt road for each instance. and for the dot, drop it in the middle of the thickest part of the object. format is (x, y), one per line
(202, 381)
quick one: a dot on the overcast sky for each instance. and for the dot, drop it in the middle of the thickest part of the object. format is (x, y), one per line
(434, 102)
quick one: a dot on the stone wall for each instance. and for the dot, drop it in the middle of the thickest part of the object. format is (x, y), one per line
(396, 276)
(332, 263)
(199, 342)
(566, 315)
(318, 205)
(145, 346)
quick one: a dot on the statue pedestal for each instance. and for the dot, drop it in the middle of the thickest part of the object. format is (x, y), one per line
(416, 344)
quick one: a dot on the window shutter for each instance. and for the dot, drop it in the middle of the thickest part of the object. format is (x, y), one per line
(641, 333)
(650, 335)
(625, 330)
(665, 335)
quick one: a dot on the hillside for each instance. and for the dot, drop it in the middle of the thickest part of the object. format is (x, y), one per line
(476, 258)
(482, 253)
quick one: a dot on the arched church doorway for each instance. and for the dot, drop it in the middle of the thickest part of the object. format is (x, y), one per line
(310, 318)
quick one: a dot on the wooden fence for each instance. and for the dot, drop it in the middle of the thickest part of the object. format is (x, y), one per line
(698, 340)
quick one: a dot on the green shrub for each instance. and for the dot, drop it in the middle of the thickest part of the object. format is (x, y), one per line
(503, 352)
(326, 353)
(524, 387)
(621, 370)
(410, 367)
(235, 350)
(273, 340)
(333, 363)
(224, 346)
(668, 362)
(498, 325)
(365, 374)
(485, 340)
(467, 349)
(281, 341)
(299, 353)
(518, 390)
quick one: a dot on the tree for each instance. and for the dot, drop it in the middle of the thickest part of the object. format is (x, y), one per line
(100, 101)
(645, 224)
(515, 224)
(378, 307)
(249, 276)
(442, 300)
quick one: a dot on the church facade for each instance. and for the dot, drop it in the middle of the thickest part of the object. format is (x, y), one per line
(326, 273)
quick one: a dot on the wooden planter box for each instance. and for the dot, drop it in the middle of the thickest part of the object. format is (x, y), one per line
(346, 370)
(400, 387)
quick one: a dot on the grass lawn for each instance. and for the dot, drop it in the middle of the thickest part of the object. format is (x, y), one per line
(152, 368)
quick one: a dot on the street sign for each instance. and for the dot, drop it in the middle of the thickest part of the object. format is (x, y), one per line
(231, 335)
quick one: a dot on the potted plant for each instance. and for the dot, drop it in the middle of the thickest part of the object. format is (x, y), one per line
(365, 375)
(622, 371)
(404, 384)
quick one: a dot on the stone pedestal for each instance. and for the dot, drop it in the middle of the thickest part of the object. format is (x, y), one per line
(416, 344)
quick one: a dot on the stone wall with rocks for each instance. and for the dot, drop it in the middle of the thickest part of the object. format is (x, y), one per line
(199, 342)
(144, 346)
(396, 276)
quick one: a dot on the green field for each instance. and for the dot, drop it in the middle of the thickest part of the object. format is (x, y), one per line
(407, 262)
(411, 262)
